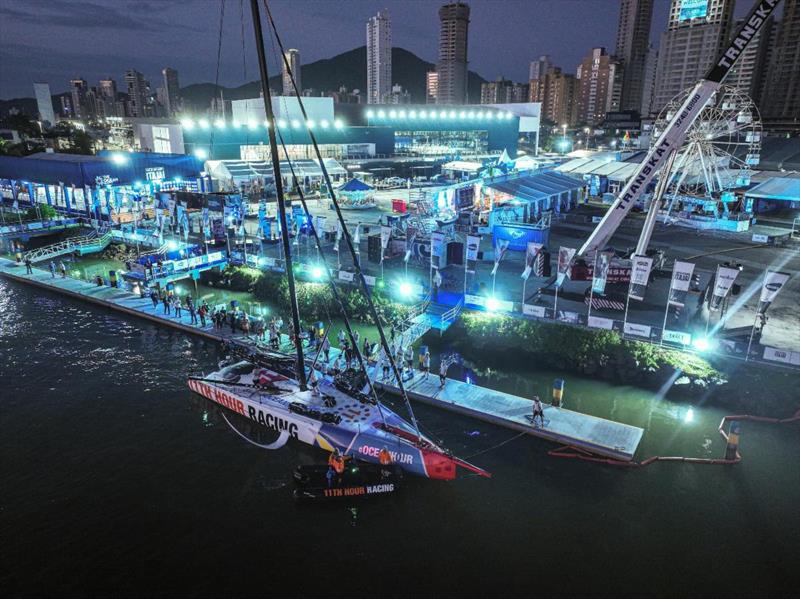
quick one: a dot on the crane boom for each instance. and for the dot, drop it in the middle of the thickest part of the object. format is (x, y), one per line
(673, 136)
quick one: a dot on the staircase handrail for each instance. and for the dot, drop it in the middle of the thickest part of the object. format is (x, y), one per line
(452, 313)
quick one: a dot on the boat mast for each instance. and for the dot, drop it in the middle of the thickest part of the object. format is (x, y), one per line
(273, 148)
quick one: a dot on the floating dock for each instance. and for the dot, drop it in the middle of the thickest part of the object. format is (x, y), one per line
(593, 434)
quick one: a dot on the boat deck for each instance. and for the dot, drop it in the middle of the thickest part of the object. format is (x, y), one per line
(597, 435)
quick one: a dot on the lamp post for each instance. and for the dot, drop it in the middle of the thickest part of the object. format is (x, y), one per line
(564, 137)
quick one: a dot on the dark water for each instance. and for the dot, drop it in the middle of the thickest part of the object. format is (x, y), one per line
(117, 481)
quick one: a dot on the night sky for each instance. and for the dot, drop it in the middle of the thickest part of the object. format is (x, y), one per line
(55, 40)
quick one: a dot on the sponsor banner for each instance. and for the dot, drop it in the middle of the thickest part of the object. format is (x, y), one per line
(386, 235)
(437, 245)
(568, 316)
(474, 300)
(681, 278)
(780, 355)
(370, 280)
(758, 238)
(773, 283)
(319, 224)
(640, 330)
(535, 311)
(265, 261)
(530, 257)
(473, 245)
(596, 322)
(722, 285)
(640, 275)
(565, 256)
(346, 276)
(678, 337)
(499, 251)
(602, 262)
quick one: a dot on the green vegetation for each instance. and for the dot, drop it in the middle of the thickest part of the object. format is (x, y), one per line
(42, 210)
(315, 300)
(601, 354)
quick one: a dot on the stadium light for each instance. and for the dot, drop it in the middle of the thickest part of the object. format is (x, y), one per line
(406, 289)
(204, 124)
(219, 124)
(188, 124)
(119, 159)
(200, 154)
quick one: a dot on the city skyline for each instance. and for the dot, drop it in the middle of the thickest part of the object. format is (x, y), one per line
(416, 28)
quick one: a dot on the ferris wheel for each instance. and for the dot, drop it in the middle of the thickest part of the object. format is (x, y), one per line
(721, 147)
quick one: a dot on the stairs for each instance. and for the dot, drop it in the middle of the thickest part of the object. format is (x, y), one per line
(441, 316)
(86, 244)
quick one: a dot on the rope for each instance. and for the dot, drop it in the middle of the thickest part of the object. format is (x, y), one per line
(280, 442)
(577, 453)
(517, 436)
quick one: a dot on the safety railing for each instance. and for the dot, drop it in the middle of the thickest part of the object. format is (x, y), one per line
(68, 246)
(451, 315)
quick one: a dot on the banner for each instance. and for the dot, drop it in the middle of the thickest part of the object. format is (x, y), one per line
(530, 257)
(564, 259)
(602, 262)
(386, 235)
(681, 278)
(597, 322)
(319, 225)
(722, 285)
(640, 330)
(473, 245)
(640, 275)
(531, 310)
(773, 283)
(499, 251)
(437, 245)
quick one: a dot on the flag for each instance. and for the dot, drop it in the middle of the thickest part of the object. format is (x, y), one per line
(773, 283)
(601, 263)
(319, 224)
(357, 237)
(640, 275)
(499, 251)
(409, 249)
(437, 248)
(386, 235)
(722, 285)
(530, 257)
(338, 237)
(565, 256)
(473, 245)
(681, 278)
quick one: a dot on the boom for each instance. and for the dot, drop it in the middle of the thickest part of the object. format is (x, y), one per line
(675, 133)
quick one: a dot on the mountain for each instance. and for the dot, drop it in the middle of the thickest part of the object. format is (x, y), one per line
(348, 69)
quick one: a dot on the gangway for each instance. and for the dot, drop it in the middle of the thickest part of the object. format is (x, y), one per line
(85, 244)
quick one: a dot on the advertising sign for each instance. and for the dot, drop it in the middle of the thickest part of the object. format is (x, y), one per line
(437, 244)
(519, 236)
(564, 258)
(773, 283)
(678, 337)
(596, 322)
(693, 9)
(640, 275)
(603, 261)
(640, 330)
(346, 276)
(681, 278)
(473, 245)
(536, 311)
(780, 355)
(722, 285)
(530, 256)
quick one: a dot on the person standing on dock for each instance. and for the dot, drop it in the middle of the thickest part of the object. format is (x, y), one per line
(63, 268)
(192, 311)
(28, 268)
(166, 302)
(426, 364)
(154, 298)
(410, 359)
(176, 303)
(202, 314)
(442, 373)
(52, 269)
(342, 338)
(326, 349)
(538, 410)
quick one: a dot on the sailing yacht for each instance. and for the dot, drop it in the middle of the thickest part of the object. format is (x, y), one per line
(332, 414)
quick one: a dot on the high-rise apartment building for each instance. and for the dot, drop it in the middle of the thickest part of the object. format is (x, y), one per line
(749, 70)
(633, 40)
(503, 91)
(648, 81)
(293, 58)
(172, 91)
(379, 58)
(599, 86)
(452, 66)
(44, 103)
(781, 95)
(539, 67)
(137, 93)
(695, 35)
(107, 98)
(557, 93)
(78, 88)
(431, 87)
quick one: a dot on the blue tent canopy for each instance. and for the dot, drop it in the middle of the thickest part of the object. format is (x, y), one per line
(80, 170)
(356, 185)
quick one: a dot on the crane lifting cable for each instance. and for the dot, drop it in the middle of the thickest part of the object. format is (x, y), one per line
(674, 134)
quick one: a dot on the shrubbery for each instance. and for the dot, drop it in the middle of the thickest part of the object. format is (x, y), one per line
(601, 354)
